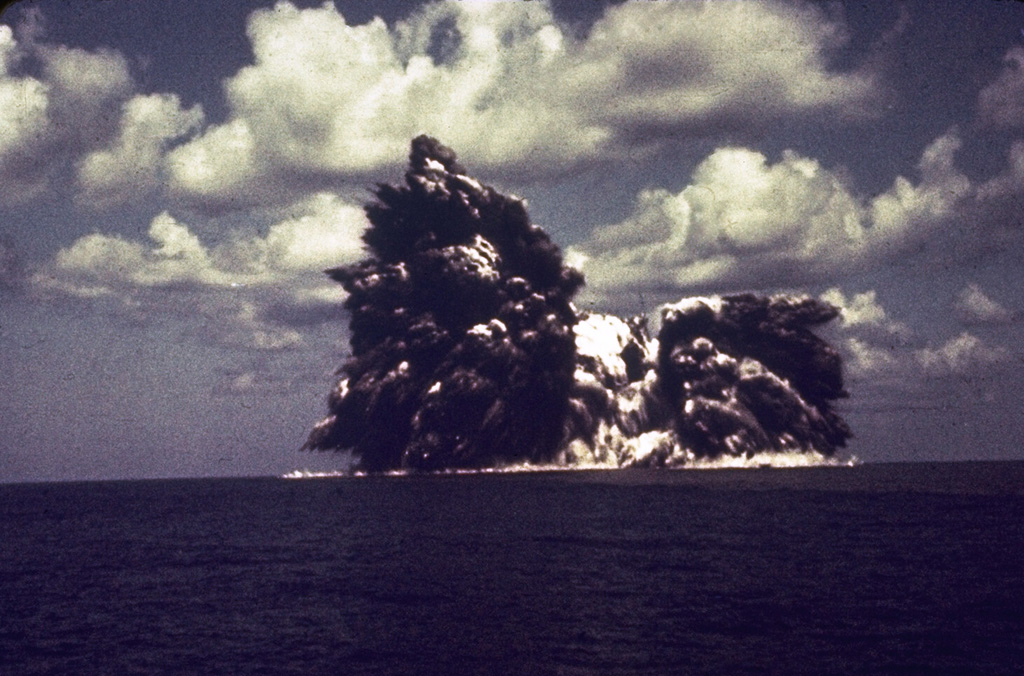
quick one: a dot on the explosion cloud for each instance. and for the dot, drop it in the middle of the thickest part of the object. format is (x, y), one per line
(467, 352)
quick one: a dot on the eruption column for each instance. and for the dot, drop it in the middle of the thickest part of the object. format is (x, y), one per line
(466, 351)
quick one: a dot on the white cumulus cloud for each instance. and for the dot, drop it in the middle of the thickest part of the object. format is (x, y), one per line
(131, 166)
(99, 264)
(862, 358)
(54, 115)
(744, 220)
(248, 289)
(863, 311)
(873, 344)
(871, 341)
(505, 84)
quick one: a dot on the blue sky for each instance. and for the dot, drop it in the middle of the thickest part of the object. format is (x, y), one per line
(175, 177)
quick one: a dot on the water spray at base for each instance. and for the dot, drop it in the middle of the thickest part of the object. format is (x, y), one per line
(467, 352)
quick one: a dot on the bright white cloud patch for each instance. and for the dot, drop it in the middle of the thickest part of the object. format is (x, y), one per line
(220, 167)
(691, 62)
(505, 84)
(862, 310)
(24, 101)
(130, 167)
(325, 235)
(100, 264)
(738, 209)
(861, 358)
(55, 115)
(905, 214)
(248, 289)
(746, 221)
(870, 339)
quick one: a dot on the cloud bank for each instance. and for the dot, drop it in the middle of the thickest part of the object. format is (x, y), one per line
(70, 107)
(745, 221)
(325, 100)
(876, 346)
(251, 290)
(132, 165)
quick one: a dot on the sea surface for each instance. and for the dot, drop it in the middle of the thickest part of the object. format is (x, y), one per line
(873, 569)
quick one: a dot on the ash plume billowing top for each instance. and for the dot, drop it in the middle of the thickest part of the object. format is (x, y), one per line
(463, 352)
(466, 351)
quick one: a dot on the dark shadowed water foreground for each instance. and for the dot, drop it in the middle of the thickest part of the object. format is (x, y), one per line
(876, 569)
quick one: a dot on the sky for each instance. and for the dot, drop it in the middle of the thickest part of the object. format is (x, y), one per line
(174, 178)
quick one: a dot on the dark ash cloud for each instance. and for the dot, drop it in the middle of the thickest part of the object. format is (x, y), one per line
(466, 351)
(735, 376)
(462, 343)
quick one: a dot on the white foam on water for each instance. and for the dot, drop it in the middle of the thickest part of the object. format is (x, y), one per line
(577, 460)
(771, 459)
(310, 474)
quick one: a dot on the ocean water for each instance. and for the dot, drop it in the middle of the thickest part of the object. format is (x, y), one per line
(873, 569)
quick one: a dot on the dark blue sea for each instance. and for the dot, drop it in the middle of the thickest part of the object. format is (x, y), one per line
(875, 569)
